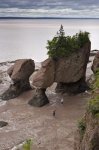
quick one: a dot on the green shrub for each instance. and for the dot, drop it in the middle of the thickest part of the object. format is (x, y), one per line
(27, 145)
(63, 46)
(93, 105)
(97, 115)
(83, 37)
(96, 83)
(82, 126)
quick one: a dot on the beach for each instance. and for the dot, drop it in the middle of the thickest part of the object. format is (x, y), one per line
(47, 132)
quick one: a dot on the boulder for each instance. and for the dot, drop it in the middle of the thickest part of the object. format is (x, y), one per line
(72, 68)
(21, 70)
(44, 77)
(39, 98)
(70, 73)
(3, 124)
(95, 65)
(19, 73)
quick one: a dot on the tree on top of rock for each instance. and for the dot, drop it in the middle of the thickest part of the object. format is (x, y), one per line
(61, 32)
(63, 46)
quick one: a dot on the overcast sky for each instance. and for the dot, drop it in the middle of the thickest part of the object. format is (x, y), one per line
(49, 8)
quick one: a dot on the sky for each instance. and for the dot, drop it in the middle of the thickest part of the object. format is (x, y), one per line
(50, 8)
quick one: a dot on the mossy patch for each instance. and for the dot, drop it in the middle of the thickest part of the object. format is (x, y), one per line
(97, 115)
(96, 83)
(27, 145)
(82, 126)
(93, 105)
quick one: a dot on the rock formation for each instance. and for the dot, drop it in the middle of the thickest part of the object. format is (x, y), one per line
(95, 65)
(70, 72)
(19, 74)
(87, 135)
(43, 79)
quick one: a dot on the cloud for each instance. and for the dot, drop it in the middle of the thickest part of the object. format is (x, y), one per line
(58, 8)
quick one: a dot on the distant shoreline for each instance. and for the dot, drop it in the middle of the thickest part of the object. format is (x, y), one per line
(42, 18)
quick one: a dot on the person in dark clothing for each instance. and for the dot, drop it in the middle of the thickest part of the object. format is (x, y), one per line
(54, 113)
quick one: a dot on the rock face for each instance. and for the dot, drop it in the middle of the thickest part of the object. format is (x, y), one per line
(39, 98)
(70, 72)
(73, 68)
(45, 76)
(72, 88)
(95, 65)
(87, 135)
(19, 73)
(88, 138)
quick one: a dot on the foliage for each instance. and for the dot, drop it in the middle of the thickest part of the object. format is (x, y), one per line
(93, 105)
(63, 46)
(97, 115)
(27, 145)
(96, 83)
(82, 126)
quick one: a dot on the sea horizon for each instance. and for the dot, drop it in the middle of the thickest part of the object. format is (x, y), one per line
(11, 17)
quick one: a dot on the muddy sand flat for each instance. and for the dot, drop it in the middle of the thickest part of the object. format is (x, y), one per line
(26, 122)
(47, 132)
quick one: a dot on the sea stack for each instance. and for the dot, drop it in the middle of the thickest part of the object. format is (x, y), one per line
(19, 74)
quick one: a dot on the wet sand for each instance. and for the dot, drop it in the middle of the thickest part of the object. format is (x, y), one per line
(50, 132)
(46, 131)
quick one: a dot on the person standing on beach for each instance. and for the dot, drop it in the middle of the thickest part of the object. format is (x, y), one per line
(62, 101)
(54, 113)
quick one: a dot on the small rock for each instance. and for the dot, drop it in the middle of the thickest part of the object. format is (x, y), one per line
(0, 81)
(93, 52)
(3, 123)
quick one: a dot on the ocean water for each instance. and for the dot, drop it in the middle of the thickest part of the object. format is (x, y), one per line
(28, 38)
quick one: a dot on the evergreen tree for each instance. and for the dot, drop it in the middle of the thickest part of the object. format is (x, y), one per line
(63, 46)
(61, 31)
